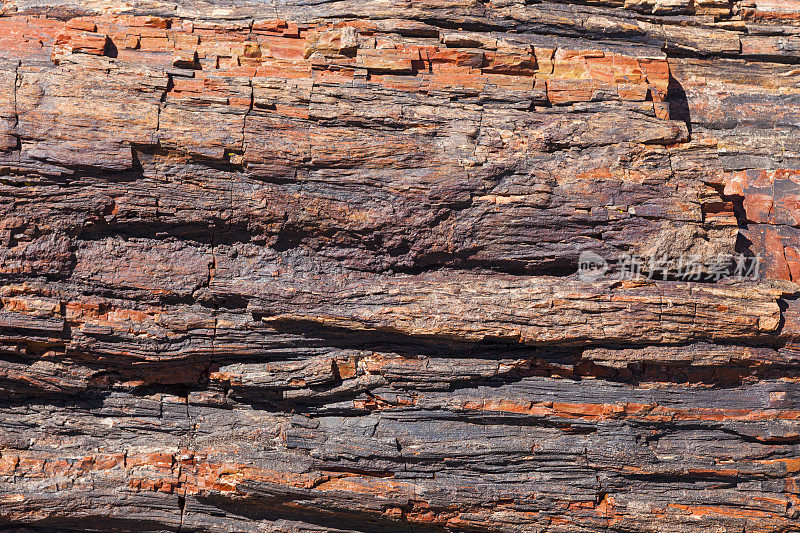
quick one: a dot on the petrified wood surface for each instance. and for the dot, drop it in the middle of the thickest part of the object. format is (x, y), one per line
(310, 265)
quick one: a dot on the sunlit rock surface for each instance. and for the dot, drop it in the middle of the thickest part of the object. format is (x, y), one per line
(311, 266)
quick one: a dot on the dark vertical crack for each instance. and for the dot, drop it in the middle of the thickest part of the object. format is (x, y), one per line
(181, 507)
(161, 101)
(15, 105)
(246, 115)
(17, 82)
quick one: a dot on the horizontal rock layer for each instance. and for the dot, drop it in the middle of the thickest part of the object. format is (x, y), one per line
(311, 266)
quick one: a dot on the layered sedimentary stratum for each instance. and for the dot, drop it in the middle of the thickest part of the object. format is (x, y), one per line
(311, 265)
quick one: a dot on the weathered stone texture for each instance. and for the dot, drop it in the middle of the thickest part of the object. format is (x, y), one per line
(311, 266)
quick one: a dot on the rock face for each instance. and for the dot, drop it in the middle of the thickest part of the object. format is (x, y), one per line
(312, 265)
